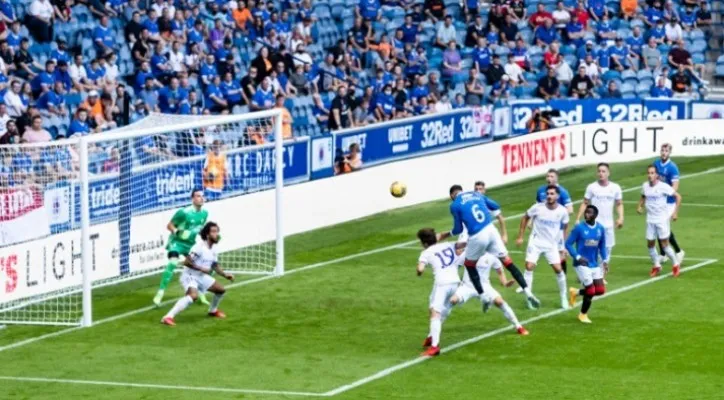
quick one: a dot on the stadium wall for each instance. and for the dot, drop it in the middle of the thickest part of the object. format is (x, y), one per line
(246, 220)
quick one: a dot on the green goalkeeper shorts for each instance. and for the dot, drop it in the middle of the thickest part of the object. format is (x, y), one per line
(176, 248)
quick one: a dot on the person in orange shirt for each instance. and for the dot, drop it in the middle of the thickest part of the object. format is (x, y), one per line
(241, 15)
(215, 172)
(628, 8)
(286, 118)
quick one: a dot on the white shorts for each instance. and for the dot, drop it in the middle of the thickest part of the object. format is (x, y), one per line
(467, 292)
(670, 208)
(561, 243)
(440, 296)
(610, 236)
(587, 274)
(658, 230)
(200, 282)
(533, 253)
(486, 241)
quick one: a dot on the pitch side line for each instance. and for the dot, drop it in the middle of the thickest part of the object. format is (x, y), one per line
(388, 371)
(685, 204)
(261, 279)
(154, 386)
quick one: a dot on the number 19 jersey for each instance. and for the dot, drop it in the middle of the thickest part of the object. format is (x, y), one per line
(444, 262)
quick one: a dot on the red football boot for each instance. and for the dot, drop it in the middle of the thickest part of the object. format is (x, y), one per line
(655, 271)
(217, 314)
(676, 271)
(523, 332)
(432, 351)
(168, 321)
(428, 342)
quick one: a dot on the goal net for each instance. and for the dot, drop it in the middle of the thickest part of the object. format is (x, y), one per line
(87, 213)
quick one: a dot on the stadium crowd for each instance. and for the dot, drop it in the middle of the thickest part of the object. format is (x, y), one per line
(68, 66)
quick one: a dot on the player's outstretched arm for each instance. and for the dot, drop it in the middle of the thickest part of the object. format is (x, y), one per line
(217, 268)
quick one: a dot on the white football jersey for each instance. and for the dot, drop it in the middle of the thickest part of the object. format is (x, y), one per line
(485, 264)
(656, 208)
(444, 262)
(547, 224)
(203, 256)
(604, 198)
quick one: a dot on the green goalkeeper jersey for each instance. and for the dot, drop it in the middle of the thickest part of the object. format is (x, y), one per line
(188, 222)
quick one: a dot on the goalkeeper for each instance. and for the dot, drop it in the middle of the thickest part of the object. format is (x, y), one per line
(185, 224)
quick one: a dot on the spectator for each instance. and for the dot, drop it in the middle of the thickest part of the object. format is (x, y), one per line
(597, 9)
(40, 20)
(538, 122)
(495, 72)
(451, 62)
(501, 89)
(459, 102)
(670, 13)
(509, 31)
(581, 85)
(103, 37)
(545, 34)
(514, 71)
(653, 14)
(79, 126)
(53, 102)
(241, 16)
(474, 89)
(704, 19)
(11, 134)
(593, 70)
(586, 50)
(660, 89)
(575, 31)
(665, 73)
(681, 83)
(674, 33)
(35, 132)
(44, 81)
(518, 11)
(679, 56)
(60, 53)
(688, 19)
(25, 65)
(605, 30)
(476, 31)
(561, 16)
(385, 104)
(287, 120)
(340, 115)
(621, 56)
(443, 105)
(482, 55)
(651, 56)
(658, 32)
(369, 9)
(12, 99)
(548, 86)
(628, 9)
(434, 10)
(446, 33)
(263, 98)
(263, 64)
(539, 17)
(152, 149)
(113, 163)
(612, 91)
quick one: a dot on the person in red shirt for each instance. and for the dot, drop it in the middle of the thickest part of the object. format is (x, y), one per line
(582, 14)
(539, 17)
(552, 57)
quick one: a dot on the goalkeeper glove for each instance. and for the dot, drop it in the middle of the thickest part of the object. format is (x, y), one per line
(183, 234)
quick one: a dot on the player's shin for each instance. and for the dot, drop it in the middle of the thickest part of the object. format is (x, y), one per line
(564, 266)
(515, 273)
(215, 302)
(474, 275)
(509, 314)
(674, 244)
(435, 330)
(661, 248)
(562, 288)
(180, 305)
(168, 274)
(529, 279)
(669, 251)
(654, 257)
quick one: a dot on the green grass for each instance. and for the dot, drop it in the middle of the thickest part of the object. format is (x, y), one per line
(320, 329)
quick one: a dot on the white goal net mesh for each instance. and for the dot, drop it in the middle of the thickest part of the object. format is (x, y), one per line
(136, 186)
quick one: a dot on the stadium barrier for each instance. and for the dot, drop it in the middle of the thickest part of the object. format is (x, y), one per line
(324, 202)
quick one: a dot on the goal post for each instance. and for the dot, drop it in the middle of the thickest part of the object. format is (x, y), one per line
(104, 219)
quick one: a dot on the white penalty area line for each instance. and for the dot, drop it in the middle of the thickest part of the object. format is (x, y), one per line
(265, 278)
(389, 371)
(155, 386)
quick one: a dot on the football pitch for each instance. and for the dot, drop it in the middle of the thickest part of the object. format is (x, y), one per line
(348, 319)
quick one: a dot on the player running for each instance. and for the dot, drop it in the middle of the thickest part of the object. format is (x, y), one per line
(654, 194)
(564, 199)
(196, 277)
(586, 243)
(605, 195)
(484, 265)
(443, 258)
(548, 218)
(184, 225)
(668, 172)
(470, 211)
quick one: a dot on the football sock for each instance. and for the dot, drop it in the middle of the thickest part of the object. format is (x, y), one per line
(509, 314)
(672, 256)
(654, 257)
(562, 285)
(444, 314)
(475, 278)
(168, 274)
(564, 266)
(587, 300)
(529, 279)
(674, 244)
(661, 248)
(515, 272)
(582, 291)
(435, 329)
(180, 305)
(215, 302)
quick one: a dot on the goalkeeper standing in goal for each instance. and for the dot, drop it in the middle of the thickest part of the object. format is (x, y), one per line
(185, 224)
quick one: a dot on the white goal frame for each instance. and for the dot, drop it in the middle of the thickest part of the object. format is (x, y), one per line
(136, 130)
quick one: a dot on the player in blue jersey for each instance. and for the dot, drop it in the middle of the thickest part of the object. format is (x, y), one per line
(587, 244)
(564, 199)
(668, 173)
(471, 212)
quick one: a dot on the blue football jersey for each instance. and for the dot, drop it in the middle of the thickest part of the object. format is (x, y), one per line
(669, 173)
(471, 210)
(588, 242)
(564, 198)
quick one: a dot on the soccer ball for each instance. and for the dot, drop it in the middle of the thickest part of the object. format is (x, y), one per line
(398, 189)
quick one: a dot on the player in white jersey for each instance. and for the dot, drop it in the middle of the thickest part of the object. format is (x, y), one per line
(444, 259)
(196, 278)
(606, 196)
(654, 194)
(467, 291)
(498, 214)
(550, 221)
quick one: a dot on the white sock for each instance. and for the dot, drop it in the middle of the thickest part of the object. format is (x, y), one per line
(562, 285)
(528, 275)
(654, 257)
(435, 329)
(180, 305)
(510, 315)
(669, 251)
(609, 250)
(444, 314)
(215, 302)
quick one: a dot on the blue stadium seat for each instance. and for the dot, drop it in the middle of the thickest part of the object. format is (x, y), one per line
(629, 76)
